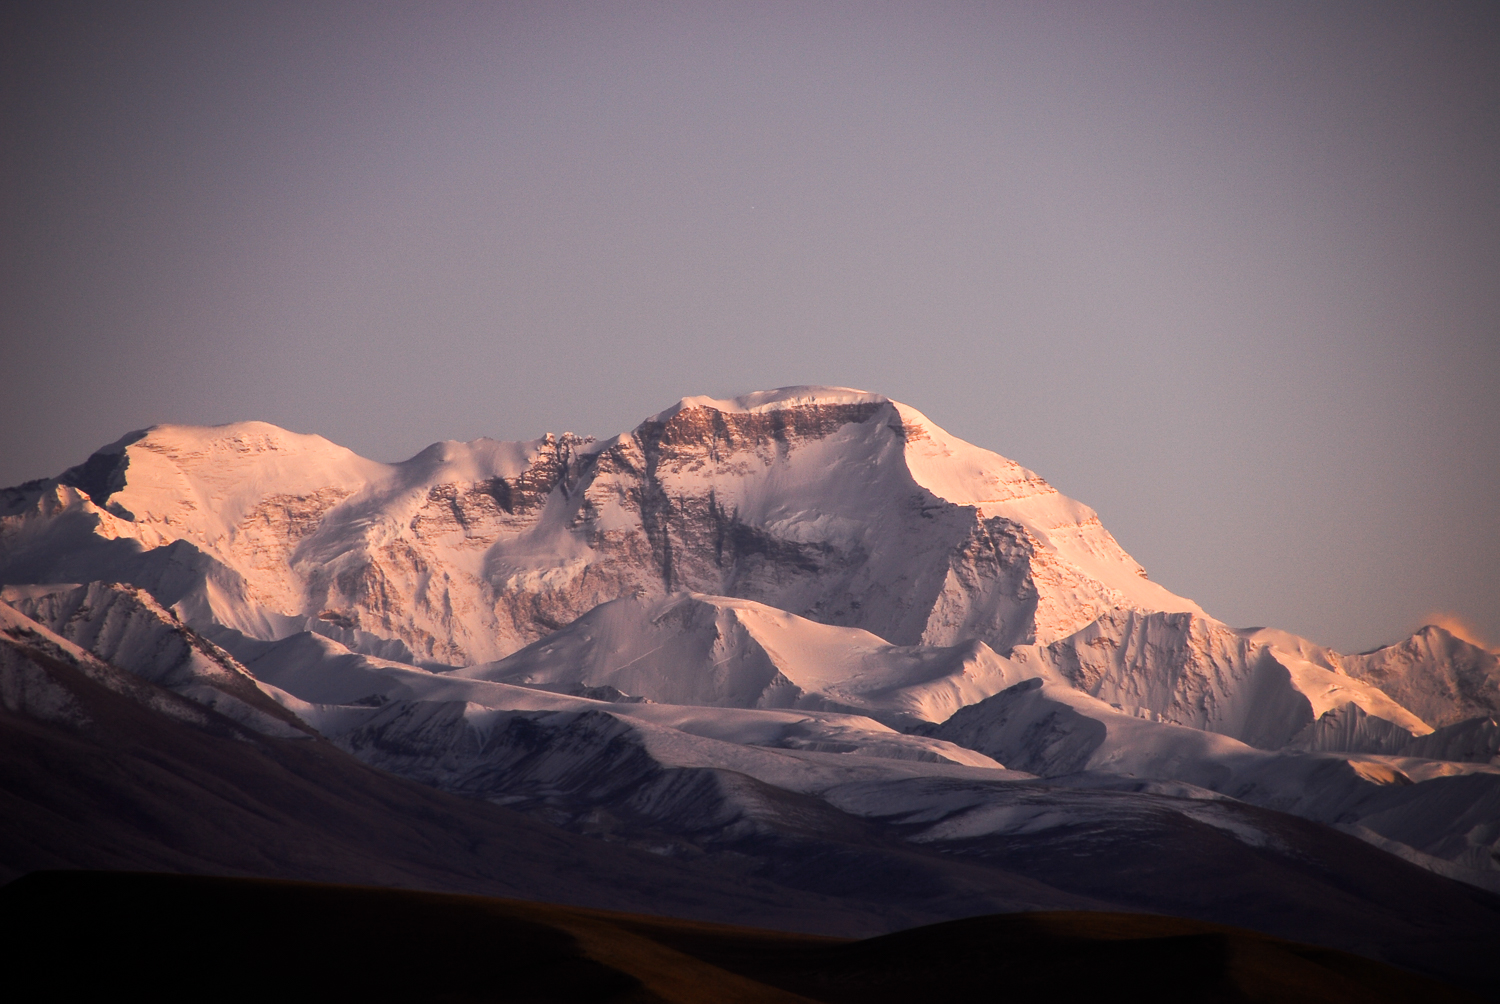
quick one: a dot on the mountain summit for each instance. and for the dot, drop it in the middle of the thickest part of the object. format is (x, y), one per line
(834, 504)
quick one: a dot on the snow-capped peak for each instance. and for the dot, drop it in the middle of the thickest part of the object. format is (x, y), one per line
(833, 503)
(968, 475)
(780, 399)
(207, 480)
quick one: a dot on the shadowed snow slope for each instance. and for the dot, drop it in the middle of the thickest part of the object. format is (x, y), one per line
(124, 626)
(1182, 668)
(690, 648)
(1474, 740)
(1443, 810)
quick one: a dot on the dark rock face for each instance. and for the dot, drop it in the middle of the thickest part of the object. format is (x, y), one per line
(696, 542)
(692, 538)
(692, 432)
(98, 477)
(103, 473)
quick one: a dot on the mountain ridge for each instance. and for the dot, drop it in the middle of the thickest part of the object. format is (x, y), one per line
(457, 499)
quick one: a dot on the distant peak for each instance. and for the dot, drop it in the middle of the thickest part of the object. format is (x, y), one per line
(1454, 626)
(1450, 634)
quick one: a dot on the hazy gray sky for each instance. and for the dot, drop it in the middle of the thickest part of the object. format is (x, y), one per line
(1229, 273)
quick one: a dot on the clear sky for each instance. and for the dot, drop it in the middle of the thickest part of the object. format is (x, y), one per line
(1229, 273)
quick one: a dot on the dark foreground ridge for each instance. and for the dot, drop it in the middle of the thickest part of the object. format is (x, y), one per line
(170, 937)
(114, 785)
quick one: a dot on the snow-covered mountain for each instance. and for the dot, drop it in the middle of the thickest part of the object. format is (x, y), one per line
(815, 592)
(1192, 670)
(836, 505)
(1438, 675)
